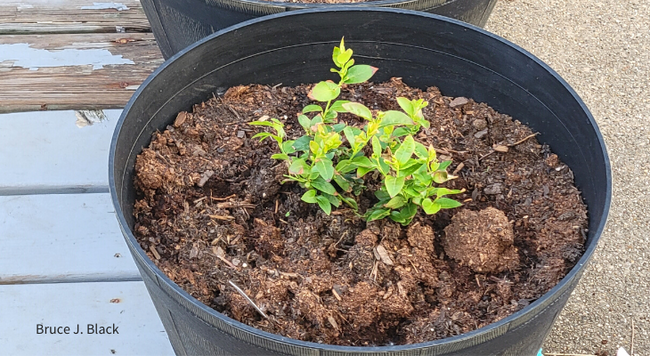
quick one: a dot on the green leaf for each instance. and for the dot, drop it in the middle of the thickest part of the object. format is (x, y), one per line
(376, 147)
(287, 147)
(263, 135)
(430, 207)
(332, 141)
(351, 202)
(446, 203)
(362, 171)
(410, 168)
(309, 196)
(302, 144)
(281, 156)
(394, 185)
(332, 199)
(406, 105)
(314, 147)
(324, 186)
(405, 215)
(440, 177)
(383, 167)
(421, 151)
(410, 191)
(326, 168)
(312, 108)
(395, 203)
(330, 116)
(422, 176)
(409, 210)
(359, 74)
(444, 191)
(349, 135)
(325, 91)
(443, 165)
(339, 127)
(338, 106)
(342, 182)
(405, 150)
(431, 153)
(305, 122)
(324, 204)
(401, 131)
(342, 57)
(393, 117)
(358, 109)
(344, 166)
(298, 166)
(363, 161)
(382, 195)
(424, 122)
(261, 123)
(378, 214)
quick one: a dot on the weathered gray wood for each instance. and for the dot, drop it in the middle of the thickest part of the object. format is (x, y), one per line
(125, 304)
(62, 238)
(71, 16)
(47, 152)
(74, 71)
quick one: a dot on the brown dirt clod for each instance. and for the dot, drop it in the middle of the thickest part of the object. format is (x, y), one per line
(482, 240)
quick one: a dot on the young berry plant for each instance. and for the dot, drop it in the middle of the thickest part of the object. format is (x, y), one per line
(330, 160)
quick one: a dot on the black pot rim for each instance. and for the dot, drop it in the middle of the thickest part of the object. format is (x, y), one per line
(543, 300)
(303, 5)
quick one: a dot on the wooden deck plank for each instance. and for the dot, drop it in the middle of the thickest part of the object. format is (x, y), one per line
(71, 16)
(62, 238)
(47, 152)
(125, 304)
(74, 71)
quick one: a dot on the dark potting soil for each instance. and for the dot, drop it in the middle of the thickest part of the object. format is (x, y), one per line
(213, 214)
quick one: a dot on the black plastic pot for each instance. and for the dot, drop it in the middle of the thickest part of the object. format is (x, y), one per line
(178, 23)
(295, 47)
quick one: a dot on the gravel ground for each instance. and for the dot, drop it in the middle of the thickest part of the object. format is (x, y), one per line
(602, 49)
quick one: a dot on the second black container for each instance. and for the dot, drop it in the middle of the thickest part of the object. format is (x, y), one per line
(424, 50)
(178, 23)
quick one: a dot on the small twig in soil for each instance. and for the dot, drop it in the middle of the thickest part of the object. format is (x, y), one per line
(485, 155)
(291, 274)
(234, 112)
(415, 268)
(460, 166)
(441, 151)
(222, 217)
(333, 322)
(336, 294)
(241, 292)
(155, 253)
(218, 251)
(222, 199)
(229, 205)
(162, 157)
(344, 234)
(477, 281)
(200, 200)
(373, 274)
(277, 205)
(523, 139)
